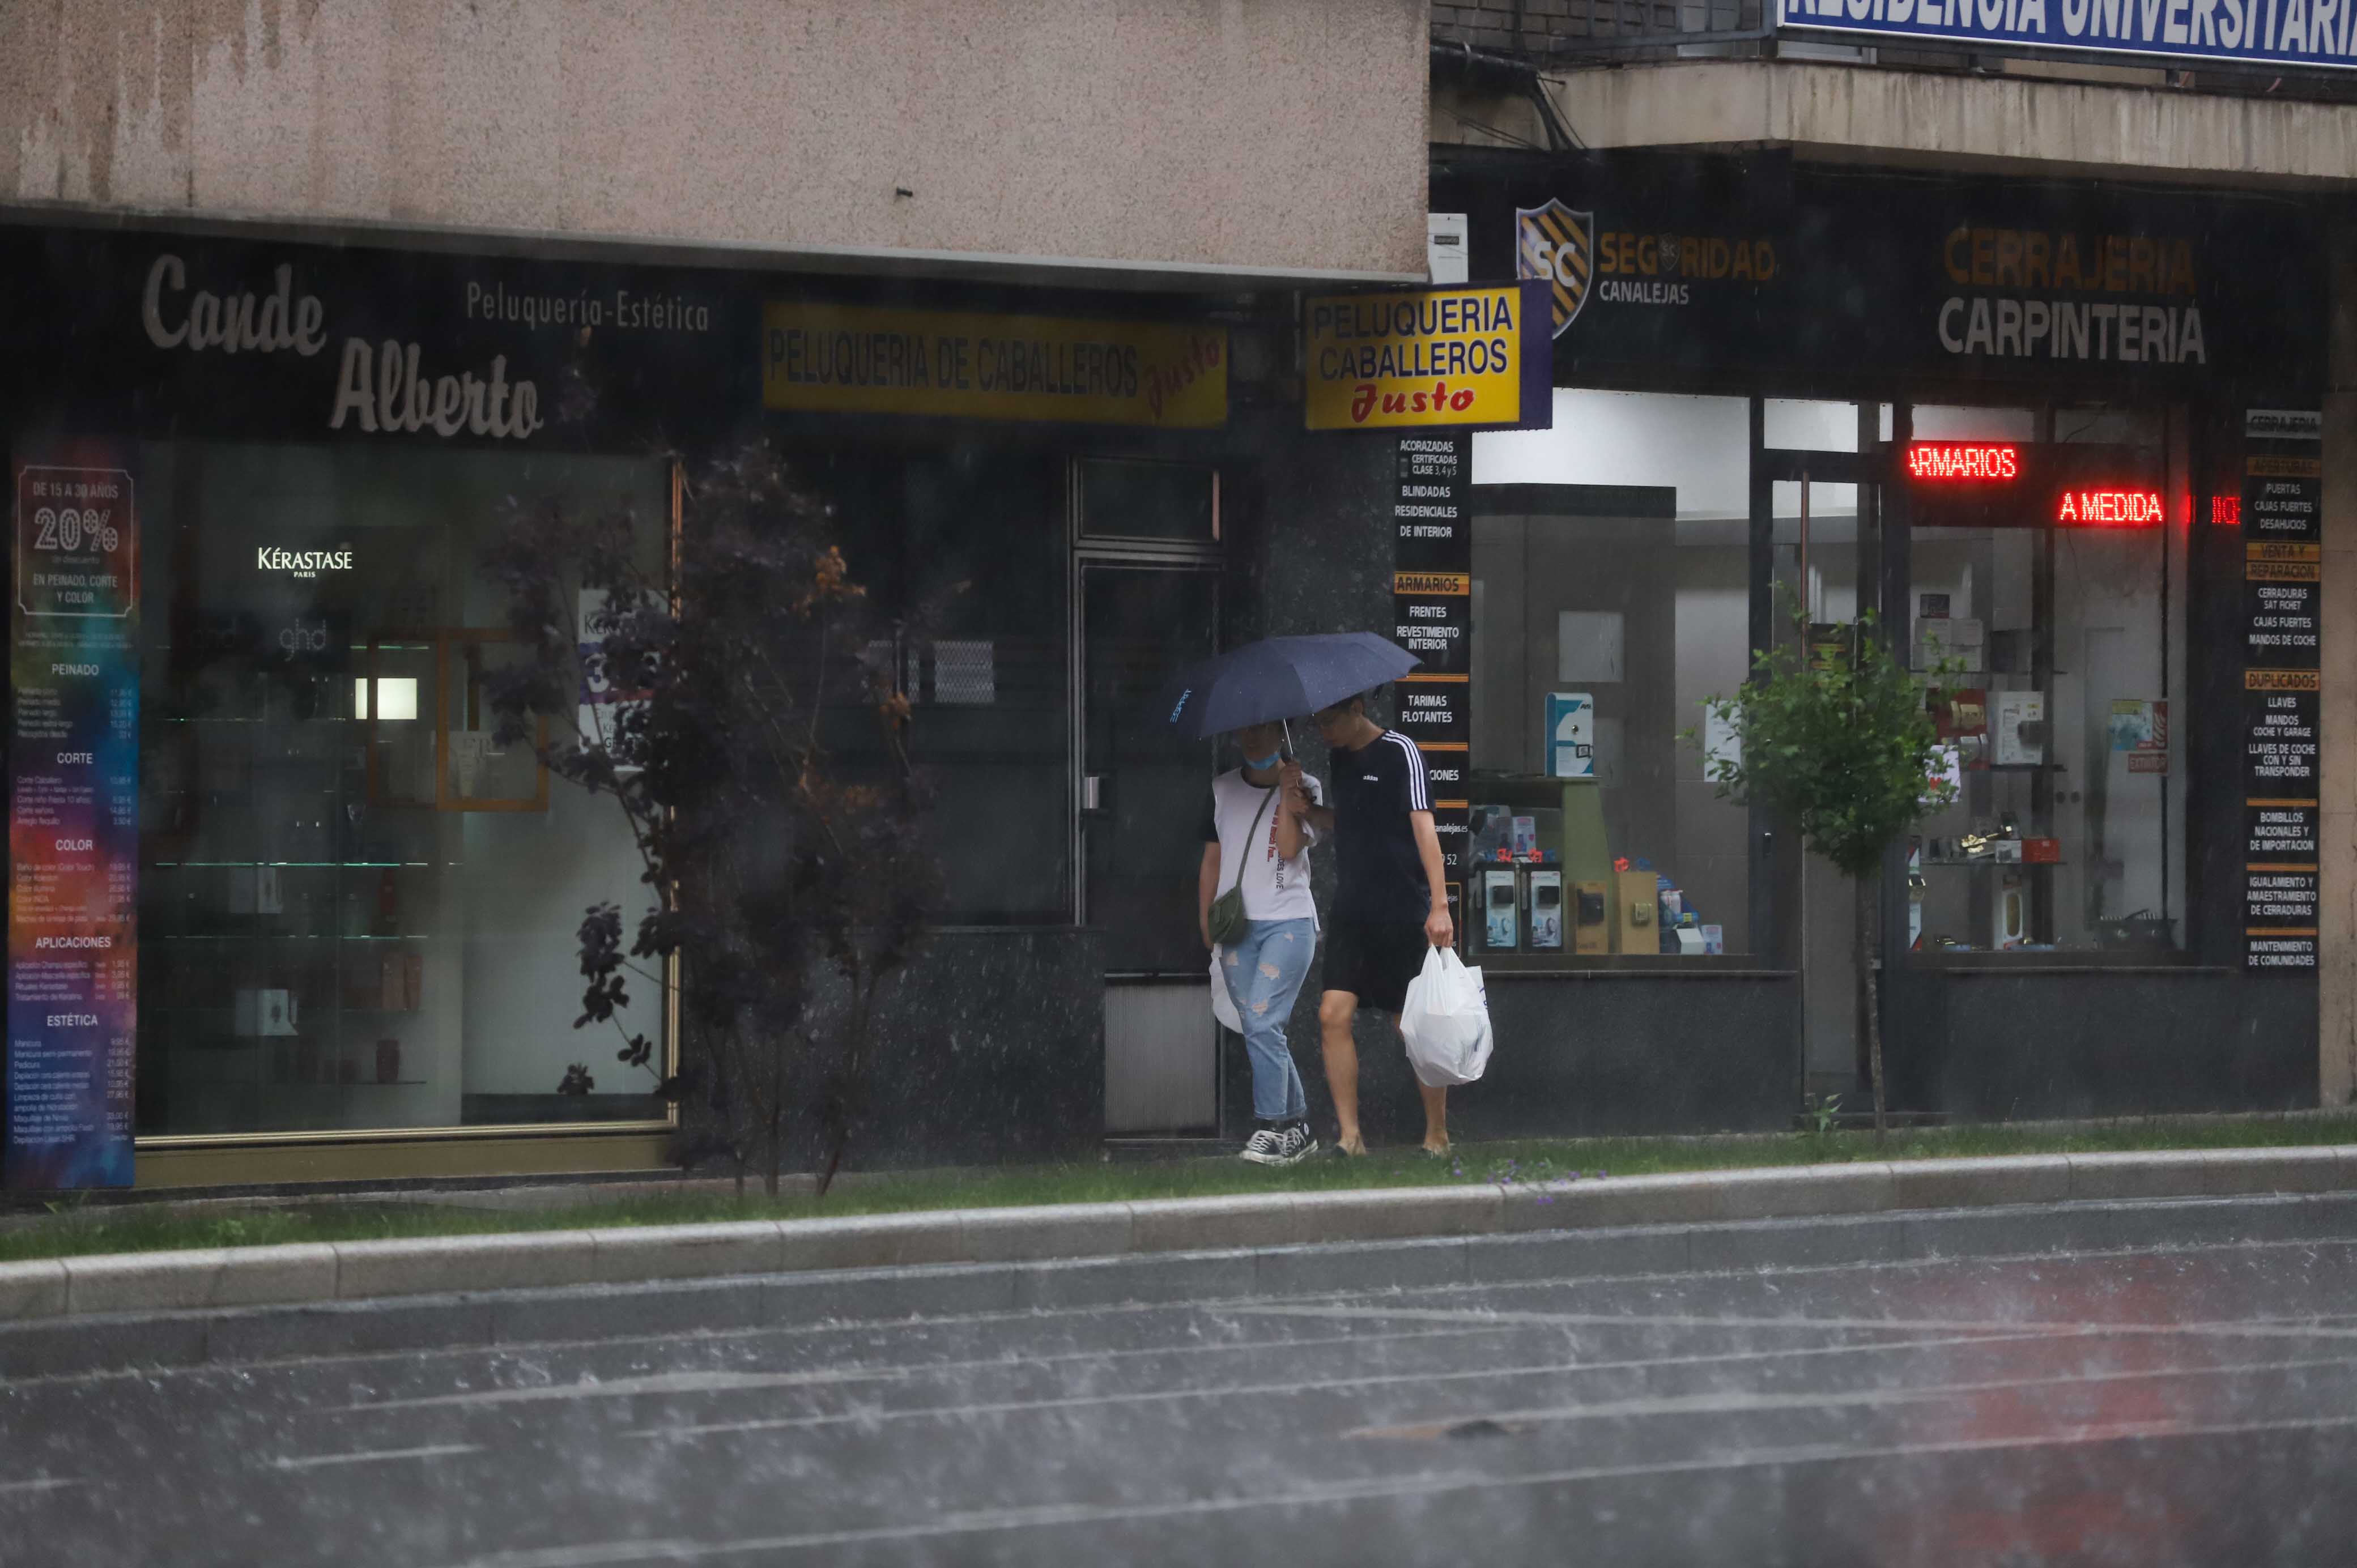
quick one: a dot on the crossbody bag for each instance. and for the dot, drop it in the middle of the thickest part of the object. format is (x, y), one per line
(1227, 923)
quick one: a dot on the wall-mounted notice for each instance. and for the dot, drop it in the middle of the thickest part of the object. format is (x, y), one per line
(2283, 582)
(1432, 618)
(2279, 773)
(2282, 689)
(73, 819)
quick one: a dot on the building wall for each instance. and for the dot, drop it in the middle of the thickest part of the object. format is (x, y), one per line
(2051, 129)
(1095, 129)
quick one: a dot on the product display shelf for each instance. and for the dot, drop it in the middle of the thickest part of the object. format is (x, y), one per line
(255, 797)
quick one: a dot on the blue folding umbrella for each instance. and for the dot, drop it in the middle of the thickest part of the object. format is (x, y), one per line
(1280, 678)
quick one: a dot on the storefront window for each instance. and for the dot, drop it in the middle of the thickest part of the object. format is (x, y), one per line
(2058, 592)
(356, 910)
(1611, 596)
(963, 549)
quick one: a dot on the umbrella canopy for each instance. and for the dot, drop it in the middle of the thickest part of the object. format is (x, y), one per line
(1280, 678)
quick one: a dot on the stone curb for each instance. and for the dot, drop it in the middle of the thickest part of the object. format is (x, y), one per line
(356, 1271)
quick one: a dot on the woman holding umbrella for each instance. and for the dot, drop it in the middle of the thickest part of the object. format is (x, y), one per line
(1256, 839)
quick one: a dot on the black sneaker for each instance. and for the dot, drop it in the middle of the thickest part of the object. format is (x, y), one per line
(1300, 1142)
(1265, 1147)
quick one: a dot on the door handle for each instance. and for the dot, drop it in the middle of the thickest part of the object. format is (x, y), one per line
(1093, 791)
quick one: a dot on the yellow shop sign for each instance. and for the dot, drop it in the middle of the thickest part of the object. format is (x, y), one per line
(845, 358)
(1461, 359)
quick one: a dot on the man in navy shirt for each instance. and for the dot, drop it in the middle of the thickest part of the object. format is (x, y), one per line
(1391, 898)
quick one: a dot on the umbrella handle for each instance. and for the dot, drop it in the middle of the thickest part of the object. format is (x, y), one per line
(1286, 725)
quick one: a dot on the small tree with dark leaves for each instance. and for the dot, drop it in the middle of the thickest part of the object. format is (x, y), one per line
(718, 704)
(1839, 742)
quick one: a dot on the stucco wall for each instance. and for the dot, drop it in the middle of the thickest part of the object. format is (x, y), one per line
(1271, 134)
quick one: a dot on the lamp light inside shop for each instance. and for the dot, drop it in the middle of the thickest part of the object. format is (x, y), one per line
(397, 697)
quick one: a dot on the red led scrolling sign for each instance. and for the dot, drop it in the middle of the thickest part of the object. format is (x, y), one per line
(2111, 508)
(1968, 462)
(1963, 466)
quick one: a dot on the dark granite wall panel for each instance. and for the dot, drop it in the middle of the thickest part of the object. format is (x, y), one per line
(989, 1050)
(1991, 1047)
(1626, 1055)
(1585, 1056)
(994, 1051)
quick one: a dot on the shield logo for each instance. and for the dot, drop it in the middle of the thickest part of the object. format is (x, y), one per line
(1558, 244)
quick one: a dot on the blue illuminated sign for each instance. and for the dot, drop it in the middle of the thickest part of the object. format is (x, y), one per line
(2313, 33)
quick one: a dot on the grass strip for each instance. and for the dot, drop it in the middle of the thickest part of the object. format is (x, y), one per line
(1532, 1161)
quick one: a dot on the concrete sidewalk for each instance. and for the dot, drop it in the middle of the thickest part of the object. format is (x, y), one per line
(76, 1287)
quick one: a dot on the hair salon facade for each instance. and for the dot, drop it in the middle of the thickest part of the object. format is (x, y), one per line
(281, 910)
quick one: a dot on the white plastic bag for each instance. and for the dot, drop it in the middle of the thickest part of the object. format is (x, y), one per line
(1446, 1021)
(1224, 1005)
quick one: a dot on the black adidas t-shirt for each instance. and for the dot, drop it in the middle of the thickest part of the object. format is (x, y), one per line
(1379, 876)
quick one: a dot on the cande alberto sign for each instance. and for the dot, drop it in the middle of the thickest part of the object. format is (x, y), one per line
(1461, 359)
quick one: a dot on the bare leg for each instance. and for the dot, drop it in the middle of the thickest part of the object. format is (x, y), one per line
(1336, 1009)
(1436, 1119)
(1435, 1111)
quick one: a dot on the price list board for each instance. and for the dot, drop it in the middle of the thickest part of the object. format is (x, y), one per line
(1432, 614)
(73, 820)
(2283, 575)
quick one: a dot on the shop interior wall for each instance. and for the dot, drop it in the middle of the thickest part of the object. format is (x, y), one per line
(1090, 129)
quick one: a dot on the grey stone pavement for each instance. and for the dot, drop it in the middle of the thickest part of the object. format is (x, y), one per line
(2133, 1383)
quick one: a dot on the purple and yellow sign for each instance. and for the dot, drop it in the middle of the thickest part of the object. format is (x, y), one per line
(73, 819)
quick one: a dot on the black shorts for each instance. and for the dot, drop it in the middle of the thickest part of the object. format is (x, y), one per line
(1374, 961)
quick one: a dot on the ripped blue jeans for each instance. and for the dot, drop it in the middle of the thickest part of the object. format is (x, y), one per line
(1264, 969)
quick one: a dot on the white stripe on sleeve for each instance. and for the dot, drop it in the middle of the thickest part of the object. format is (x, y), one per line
(1417, 799)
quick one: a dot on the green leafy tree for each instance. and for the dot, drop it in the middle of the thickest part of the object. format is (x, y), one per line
(1834, 736)
(762, 769)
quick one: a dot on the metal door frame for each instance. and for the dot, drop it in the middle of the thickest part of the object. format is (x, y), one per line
(1084, 562)
(1084, 553)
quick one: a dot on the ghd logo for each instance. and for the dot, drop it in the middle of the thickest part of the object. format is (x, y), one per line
(301, 638)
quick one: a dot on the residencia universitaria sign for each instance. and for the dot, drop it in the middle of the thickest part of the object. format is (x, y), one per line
(2308, 33)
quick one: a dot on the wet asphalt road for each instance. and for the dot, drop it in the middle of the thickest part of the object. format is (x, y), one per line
(2150, 1404)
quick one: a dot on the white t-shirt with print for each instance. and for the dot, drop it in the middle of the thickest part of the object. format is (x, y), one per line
(1275, 888)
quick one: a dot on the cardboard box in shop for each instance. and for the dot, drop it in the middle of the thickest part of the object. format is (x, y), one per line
(1637, 913)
